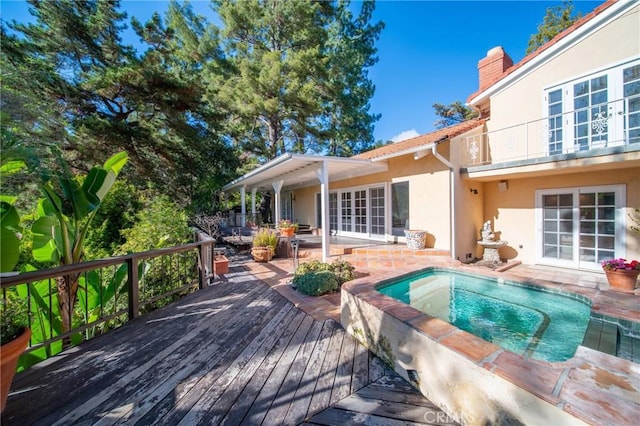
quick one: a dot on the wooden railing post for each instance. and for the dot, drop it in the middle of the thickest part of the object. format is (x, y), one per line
(132, 283)
(202, 269)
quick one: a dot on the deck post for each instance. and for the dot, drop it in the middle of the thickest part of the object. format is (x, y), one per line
(132, 283)
(204, 254)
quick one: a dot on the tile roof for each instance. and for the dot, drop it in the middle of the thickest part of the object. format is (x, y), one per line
(420, 141)
(580, 22)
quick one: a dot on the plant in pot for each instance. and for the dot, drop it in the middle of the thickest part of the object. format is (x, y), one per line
(622, 275)
(264, 245)
(14, 336)
(287, 228)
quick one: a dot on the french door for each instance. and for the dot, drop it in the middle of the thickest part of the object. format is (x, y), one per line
(595, 112)
(358, 212)
(580, 227)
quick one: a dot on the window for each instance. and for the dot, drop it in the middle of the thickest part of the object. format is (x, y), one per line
(591, 118)
(346, 214)
(333, 211)
(578, 225)
(399, 207)
(360, 211)
(596, 111)
(631, 88)
(376, 195)
(555, 122)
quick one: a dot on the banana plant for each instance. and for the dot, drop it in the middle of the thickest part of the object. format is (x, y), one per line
(10, 228)
(64, 217)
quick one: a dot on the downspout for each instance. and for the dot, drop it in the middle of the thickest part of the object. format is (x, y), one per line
(452, 231)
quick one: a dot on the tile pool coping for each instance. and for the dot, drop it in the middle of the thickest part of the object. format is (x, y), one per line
(591, 387)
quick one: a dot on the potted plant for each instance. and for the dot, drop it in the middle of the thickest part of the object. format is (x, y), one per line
(264, 245)
(622, 275)
(14, 338)
(287, 228)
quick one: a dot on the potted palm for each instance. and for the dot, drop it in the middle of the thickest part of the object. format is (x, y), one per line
(621, 275)
(264, 245)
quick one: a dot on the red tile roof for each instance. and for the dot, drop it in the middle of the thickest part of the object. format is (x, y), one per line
(422, 140)
(580, 22)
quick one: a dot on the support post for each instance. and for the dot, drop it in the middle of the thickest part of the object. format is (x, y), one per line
(323, 175)
(243, 202)
(277, 187)
(253, 205)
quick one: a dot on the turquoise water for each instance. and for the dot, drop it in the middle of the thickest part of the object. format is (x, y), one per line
(534, 323)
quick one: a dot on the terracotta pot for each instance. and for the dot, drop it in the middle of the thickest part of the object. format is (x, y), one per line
(622, 279)
(287, 232)
(221, 265)
(262, 254)
(9, 354)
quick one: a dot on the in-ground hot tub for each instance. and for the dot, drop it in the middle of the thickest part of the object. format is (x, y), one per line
(478, 382)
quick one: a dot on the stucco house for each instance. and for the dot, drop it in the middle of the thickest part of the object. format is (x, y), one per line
(553, 161)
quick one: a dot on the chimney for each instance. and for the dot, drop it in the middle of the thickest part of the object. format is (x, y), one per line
(493, 66)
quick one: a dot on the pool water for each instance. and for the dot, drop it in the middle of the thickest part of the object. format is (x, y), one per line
(535, 323)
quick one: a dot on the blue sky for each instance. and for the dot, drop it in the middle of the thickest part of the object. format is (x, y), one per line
(428, 51)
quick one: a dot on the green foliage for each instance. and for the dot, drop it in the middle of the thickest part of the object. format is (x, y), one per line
(69, 78)
(117, 212)
(265, 237)
(10, 236)
(13, 317)
(310, 276)
(312, 266)
(343, 270)
(556, 20)
(453, 113)
(635, 218)
(161, 223)
(294, 75)
(316, 283)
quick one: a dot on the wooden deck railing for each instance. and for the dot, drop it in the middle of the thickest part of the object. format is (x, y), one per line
(147, 278)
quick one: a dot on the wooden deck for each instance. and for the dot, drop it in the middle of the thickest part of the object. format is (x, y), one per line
(234, 353)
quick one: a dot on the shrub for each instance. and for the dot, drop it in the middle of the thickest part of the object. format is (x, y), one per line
(162, 223)
(343, 270)
(311, 273)
(316, 283)
(312, 266)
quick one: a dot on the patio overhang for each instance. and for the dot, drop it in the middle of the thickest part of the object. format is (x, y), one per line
(299, 171)
(294, 171)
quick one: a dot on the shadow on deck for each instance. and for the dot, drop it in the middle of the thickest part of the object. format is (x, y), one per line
(236, 352)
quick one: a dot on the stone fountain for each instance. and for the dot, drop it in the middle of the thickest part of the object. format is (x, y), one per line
(489, 244)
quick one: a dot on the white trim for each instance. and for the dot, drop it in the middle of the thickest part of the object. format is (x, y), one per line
(604, 18)
(575, 263)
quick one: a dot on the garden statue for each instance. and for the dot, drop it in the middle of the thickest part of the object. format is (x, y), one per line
(486, 232)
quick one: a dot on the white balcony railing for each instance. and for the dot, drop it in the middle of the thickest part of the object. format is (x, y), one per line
(605, 125)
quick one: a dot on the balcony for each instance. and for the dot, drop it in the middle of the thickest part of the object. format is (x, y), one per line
(611, 128)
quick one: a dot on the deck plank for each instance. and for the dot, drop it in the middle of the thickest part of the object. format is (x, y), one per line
(249, 396)
(300, 408)
(344, 371)
(236, 352)
(322, 394)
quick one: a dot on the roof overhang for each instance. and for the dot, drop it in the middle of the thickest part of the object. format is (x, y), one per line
(597, 22)
(299, 171)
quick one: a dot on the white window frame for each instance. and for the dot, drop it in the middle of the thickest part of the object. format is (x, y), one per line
(575, 263)
(366, 188)
(615, 99)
